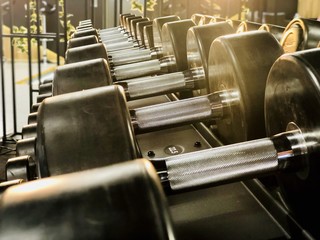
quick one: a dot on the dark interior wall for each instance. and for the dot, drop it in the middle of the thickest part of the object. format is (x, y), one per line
(289, 7)
(274, 11)
(185, 8)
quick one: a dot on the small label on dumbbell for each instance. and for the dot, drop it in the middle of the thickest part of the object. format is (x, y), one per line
(173, 150)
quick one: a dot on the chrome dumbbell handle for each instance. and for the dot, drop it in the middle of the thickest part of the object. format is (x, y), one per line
(137, 55)
(235, 162)
(171, 114)
(134, 70)
(163, 84)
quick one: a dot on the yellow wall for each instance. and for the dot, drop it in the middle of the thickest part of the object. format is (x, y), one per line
(309, 8)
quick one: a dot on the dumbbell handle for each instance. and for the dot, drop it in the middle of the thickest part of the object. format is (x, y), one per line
(163, 84)
(133, 56)
(120, 39)
(139, 69)
(121, 46)
(192, 110)
(112, 34)
(233, 162)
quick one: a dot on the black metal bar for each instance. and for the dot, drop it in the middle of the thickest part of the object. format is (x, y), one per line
(188, 11)
(58, 34)
(121, 7)
(65, 25)
(240, 10)
(23, 35)
(228, 9)
(86, 9)
(160, 6)
(104, 12)
(4, 127)
(92, 12)
(145, 8)
(38, 41)
(115, 22)
(29, 55)
(13, 78)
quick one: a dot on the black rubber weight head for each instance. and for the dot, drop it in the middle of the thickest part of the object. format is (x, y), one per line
(80, 76)
(293, 96)
(92, 51)
(241, 62)
(124, 201)
(199, 39)
(174, 35)
(82, 41)
(87, 32)
(157, 28)
(140, 27)
(84, 130)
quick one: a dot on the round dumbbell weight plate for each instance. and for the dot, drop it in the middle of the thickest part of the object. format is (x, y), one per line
(199, 40)
(241, 63)
(293, 99)
(84, 122)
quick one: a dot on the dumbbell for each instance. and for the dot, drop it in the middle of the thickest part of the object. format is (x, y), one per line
(89, 205)
(292, 150)
(236, 103)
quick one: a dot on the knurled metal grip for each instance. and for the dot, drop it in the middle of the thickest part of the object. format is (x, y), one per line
(116, 40)
(118, 46)
(143, 87)
(136, 69)
(162, 84)
(226, 163)
(212, 106)
(174, 113)
(131, 57)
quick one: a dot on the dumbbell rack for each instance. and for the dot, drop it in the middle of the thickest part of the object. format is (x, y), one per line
(242, 210)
